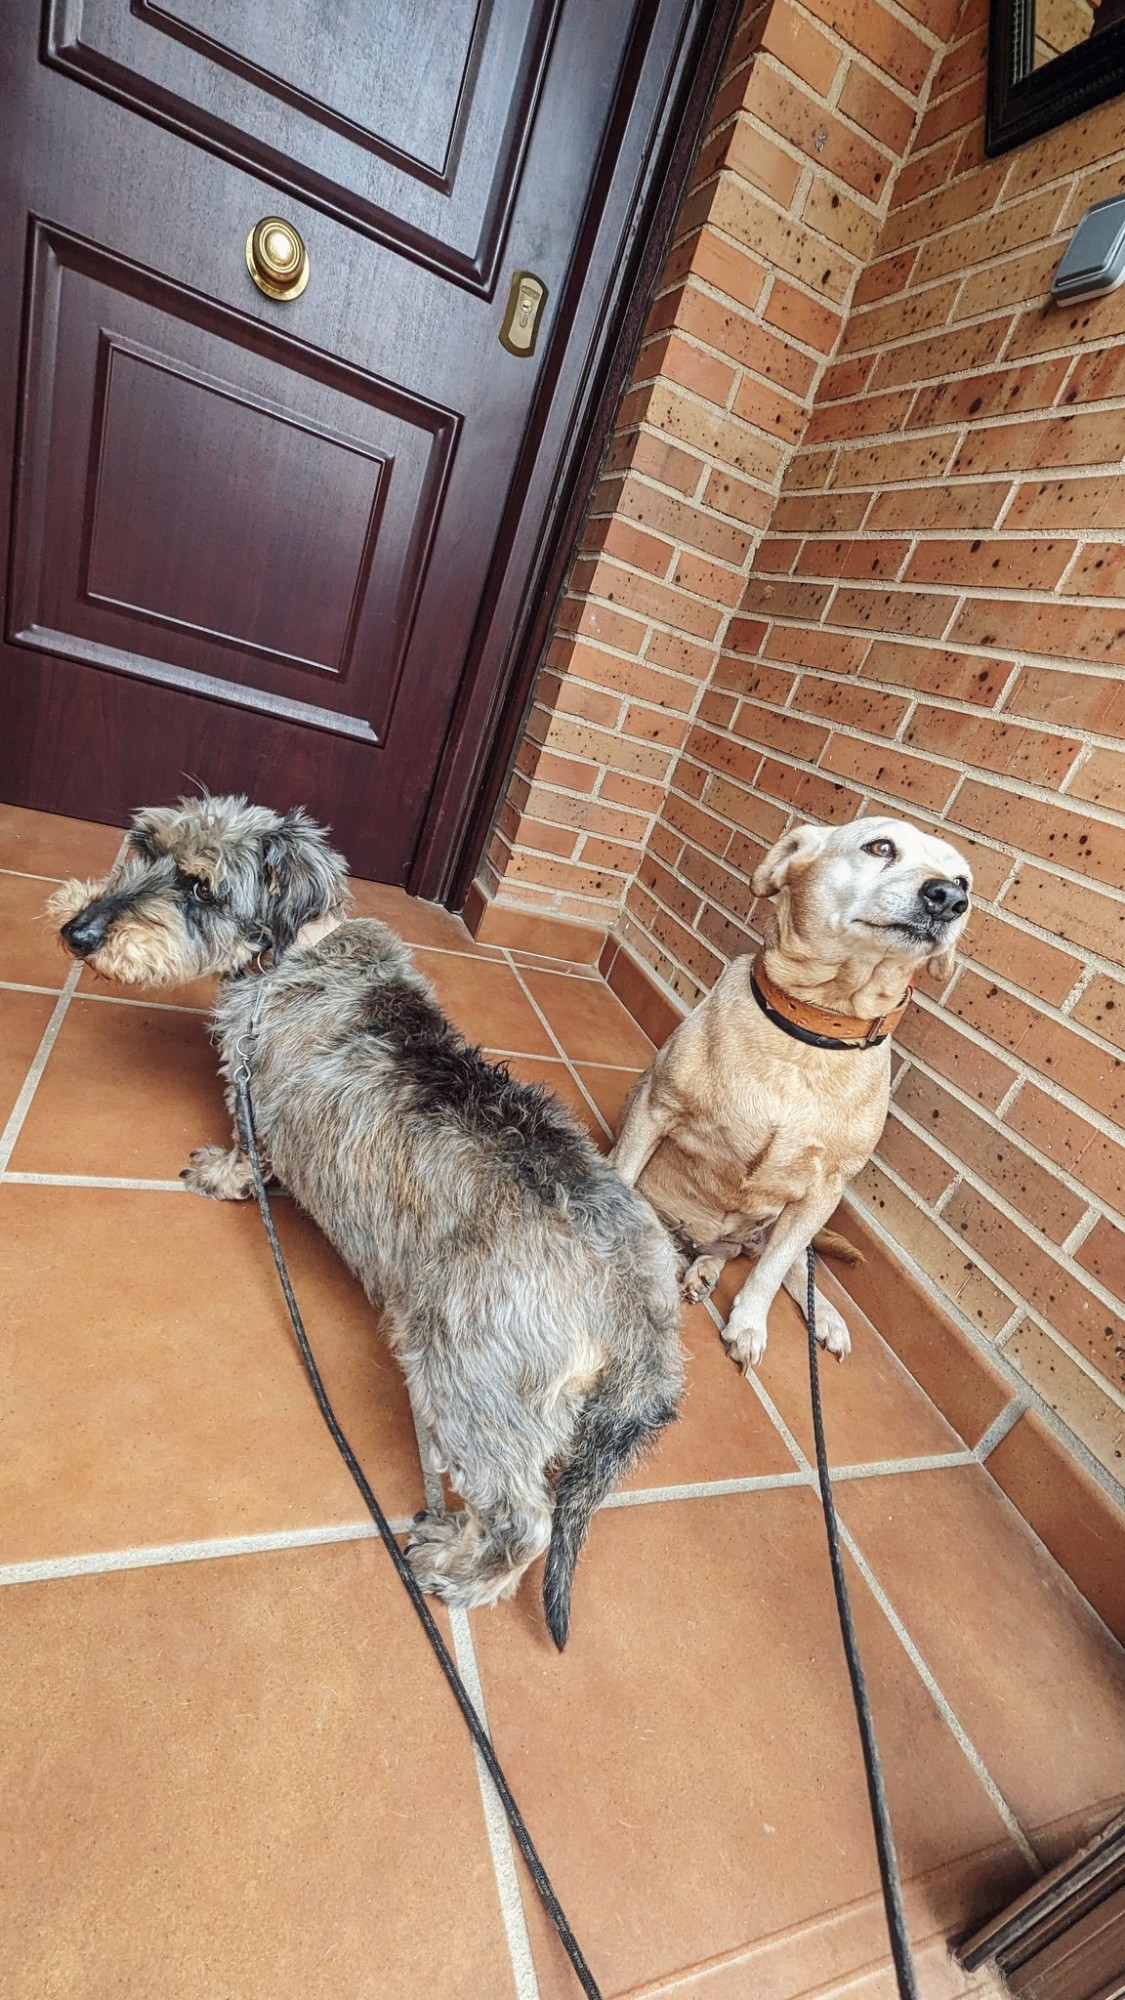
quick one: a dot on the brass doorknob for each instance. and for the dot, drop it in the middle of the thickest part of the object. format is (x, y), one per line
(277, 259)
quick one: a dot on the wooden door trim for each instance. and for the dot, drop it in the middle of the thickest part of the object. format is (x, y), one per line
(625, 242)
(1065, 1936)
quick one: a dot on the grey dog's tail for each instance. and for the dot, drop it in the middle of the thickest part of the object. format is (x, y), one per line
(611, 1435)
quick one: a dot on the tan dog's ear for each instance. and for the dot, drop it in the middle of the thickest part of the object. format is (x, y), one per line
(797, 847)
(941, 965)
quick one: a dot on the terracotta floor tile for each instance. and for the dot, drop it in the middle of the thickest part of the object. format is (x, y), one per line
(651, 1008)
(39, 843)
(554, 938)
(1069, 1510)
(127, 1091)
(1030, 1671)
(186, 1739)
(722, 1431)
(873, 1410)
(692, 1758)
(962, 1381)
(608, 1088)
(23, 1017)
(589, 1020)
(414, 921)
(154, 1390)
(238, 1780)
(485, 1000)
(30, 951)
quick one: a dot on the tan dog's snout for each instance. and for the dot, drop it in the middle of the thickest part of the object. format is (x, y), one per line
(943, 901)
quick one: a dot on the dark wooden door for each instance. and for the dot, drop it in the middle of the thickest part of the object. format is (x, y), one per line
(251, 537)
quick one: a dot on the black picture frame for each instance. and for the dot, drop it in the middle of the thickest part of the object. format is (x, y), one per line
(1024, 101)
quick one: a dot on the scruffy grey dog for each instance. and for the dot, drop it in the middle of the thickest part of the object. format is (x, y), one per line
(529, 1295)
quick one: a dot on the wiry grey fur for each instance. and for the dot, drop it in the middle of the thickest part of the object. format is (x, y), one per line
(530, 1296)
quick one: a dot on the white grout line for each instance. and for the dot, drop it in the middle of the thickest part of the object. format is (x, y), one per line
(767, 1482)
(22, 1104)
(644, 1496)
(156, 1554)
(150, 1006)
(109, 999)
(999, 1427)
(431, 1478)
(90, 1181)
(937, 1461)
(615, 1069)
(496, 1822)
(26, 875)
(495, 1818)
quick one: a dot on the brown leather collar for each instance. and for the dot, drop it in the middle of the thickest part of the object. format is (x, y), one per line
(818, 1025)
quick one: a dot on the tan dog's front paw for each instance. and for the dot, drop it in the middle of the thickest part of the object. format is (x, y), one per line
(700, 1279)
(745, 1342)
(832, 1330)
(220, 1173)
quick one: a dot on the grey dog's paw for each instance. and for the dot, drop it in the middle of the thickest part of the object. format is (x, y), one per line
(219, 1173)
(437, 1561)
(429, 1527)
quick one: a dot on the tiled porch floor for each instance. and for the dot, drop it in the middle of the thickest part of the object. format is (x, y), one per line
(232, 1771)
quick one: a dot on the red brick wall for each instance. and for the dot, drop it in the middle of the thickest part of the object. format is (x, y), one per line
(931, 619)
(793, 180)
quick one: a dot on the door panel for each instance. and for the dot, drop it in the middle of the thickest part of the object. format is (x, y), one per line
(326, 482)
(252, 537)
(393, 124)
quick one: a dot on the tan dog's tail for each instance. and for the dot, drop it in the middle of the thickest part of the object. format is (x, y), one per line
(827, 1243)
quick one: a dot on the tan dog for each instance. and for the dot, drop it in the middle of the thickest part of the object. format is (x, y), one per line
(772, 1094)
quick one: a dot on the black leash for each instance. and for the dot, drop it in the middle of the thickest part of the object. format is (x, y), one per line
(880, 1817)
(884, 1838)
(461, 1694)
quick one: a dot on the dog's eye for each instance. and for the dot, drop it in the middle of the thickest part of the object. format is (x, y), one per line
(201, 893)
(962, 882)
(885, 849)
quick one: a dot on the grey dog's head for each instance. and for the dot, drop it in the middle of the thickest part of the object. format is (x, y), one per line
(202, 887)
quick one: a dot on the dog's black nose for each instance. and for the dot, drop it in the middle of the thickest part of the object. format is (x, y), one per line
(85, 932)
(940, 898)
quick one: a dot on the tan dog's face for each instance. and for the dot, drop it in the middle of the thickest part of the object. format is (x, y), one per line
(876, 887)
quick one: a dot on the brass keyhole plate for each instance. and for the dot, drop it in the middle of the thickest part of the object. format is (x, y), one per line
(523, 312)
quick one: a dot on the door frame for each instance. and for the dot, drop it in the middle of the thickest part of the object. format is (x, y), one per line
(667, 84)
